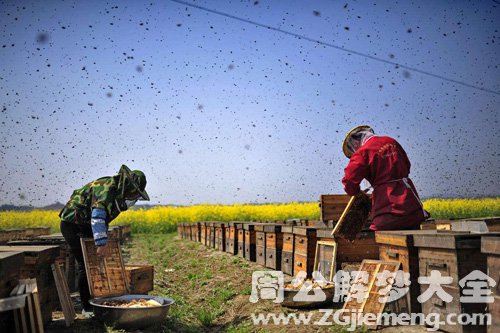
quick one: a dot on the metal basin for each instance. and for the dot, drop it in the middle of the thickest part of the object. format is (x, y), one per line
(289, 294)
(131, 318)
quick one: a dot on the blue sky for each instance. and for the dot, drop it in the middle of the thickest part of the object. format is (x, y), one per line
(218, 110)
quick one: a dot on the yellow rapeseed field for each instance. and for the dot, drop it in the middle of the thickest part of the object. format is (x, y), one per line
(165, 218)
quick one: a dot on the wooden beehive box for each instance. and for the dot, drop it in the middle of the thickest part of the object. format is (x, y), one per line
(493, 223)
(189, 226)
(179, 230)
(491, 247)
(114, 232)
(399, 246)
(105, 275)
(332, 206)
(66, 259)
(288, 249)
(7, 235)
(220, 236)
(126, 231)
(433, 224)
(274, 246)
(456, 255)
(37, 261)
(213, 236)
(208, 233)
(260, 244)
(476, 225)
(311, 223)
(10, 270)
(36, 231)
(305, 249)
(120, 233)
(140, 278)
(187, 229)
(232, 237)
(240, 231)
(195, 231)
(10, 266)
(291, 222)
(183, 228)
(351, 253)
(249, 243)
(228, 237)
(203, 234)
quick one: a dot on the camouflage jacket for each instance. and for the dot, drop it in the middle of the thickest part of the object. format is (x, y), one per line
(101, 193)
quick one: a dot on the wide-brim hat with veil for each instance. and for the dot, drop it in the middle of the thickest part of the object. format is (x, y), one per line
(132, 182)
(354, 137)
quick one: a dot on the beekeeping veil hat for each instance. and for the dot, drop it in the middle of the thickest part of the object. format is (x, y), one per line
(355, 138)
(132, 183)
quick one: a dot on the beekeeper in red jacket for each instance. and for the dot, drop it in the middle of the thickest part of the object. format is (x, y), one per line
(383, 162)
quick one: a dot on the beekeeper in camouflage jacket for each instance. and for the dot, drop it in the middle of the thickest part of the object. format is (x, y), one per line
(90, 210)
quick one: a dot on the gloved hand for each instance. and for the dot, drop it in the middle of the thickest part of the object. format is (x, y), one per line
(102, 251)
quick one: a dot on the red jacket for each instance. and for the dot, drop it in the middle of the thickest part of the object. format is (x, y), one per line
(383, 162)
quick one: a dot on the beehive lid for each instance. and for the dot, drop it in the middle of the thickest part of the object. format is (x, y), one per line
(34, 254)
(38, 241)
(474, 226)
(400, 237)
(450, 240)
(106, 276)
(259, 226)
(287, 229)
(490, 245)
(271, 227)
(51, 236)
(304, 231)
(249, 226)
(240, 225)
(487, 220)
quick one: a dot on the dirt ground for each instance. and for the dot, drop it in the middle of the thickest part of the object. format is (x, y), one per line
(211, 290)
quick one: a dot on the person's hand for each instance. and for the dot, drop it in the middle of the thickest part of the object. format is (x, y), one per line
(102, 251)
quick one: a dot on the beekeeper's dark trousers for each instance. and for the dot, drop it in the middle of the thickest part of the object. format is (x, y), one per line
(72, 233)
